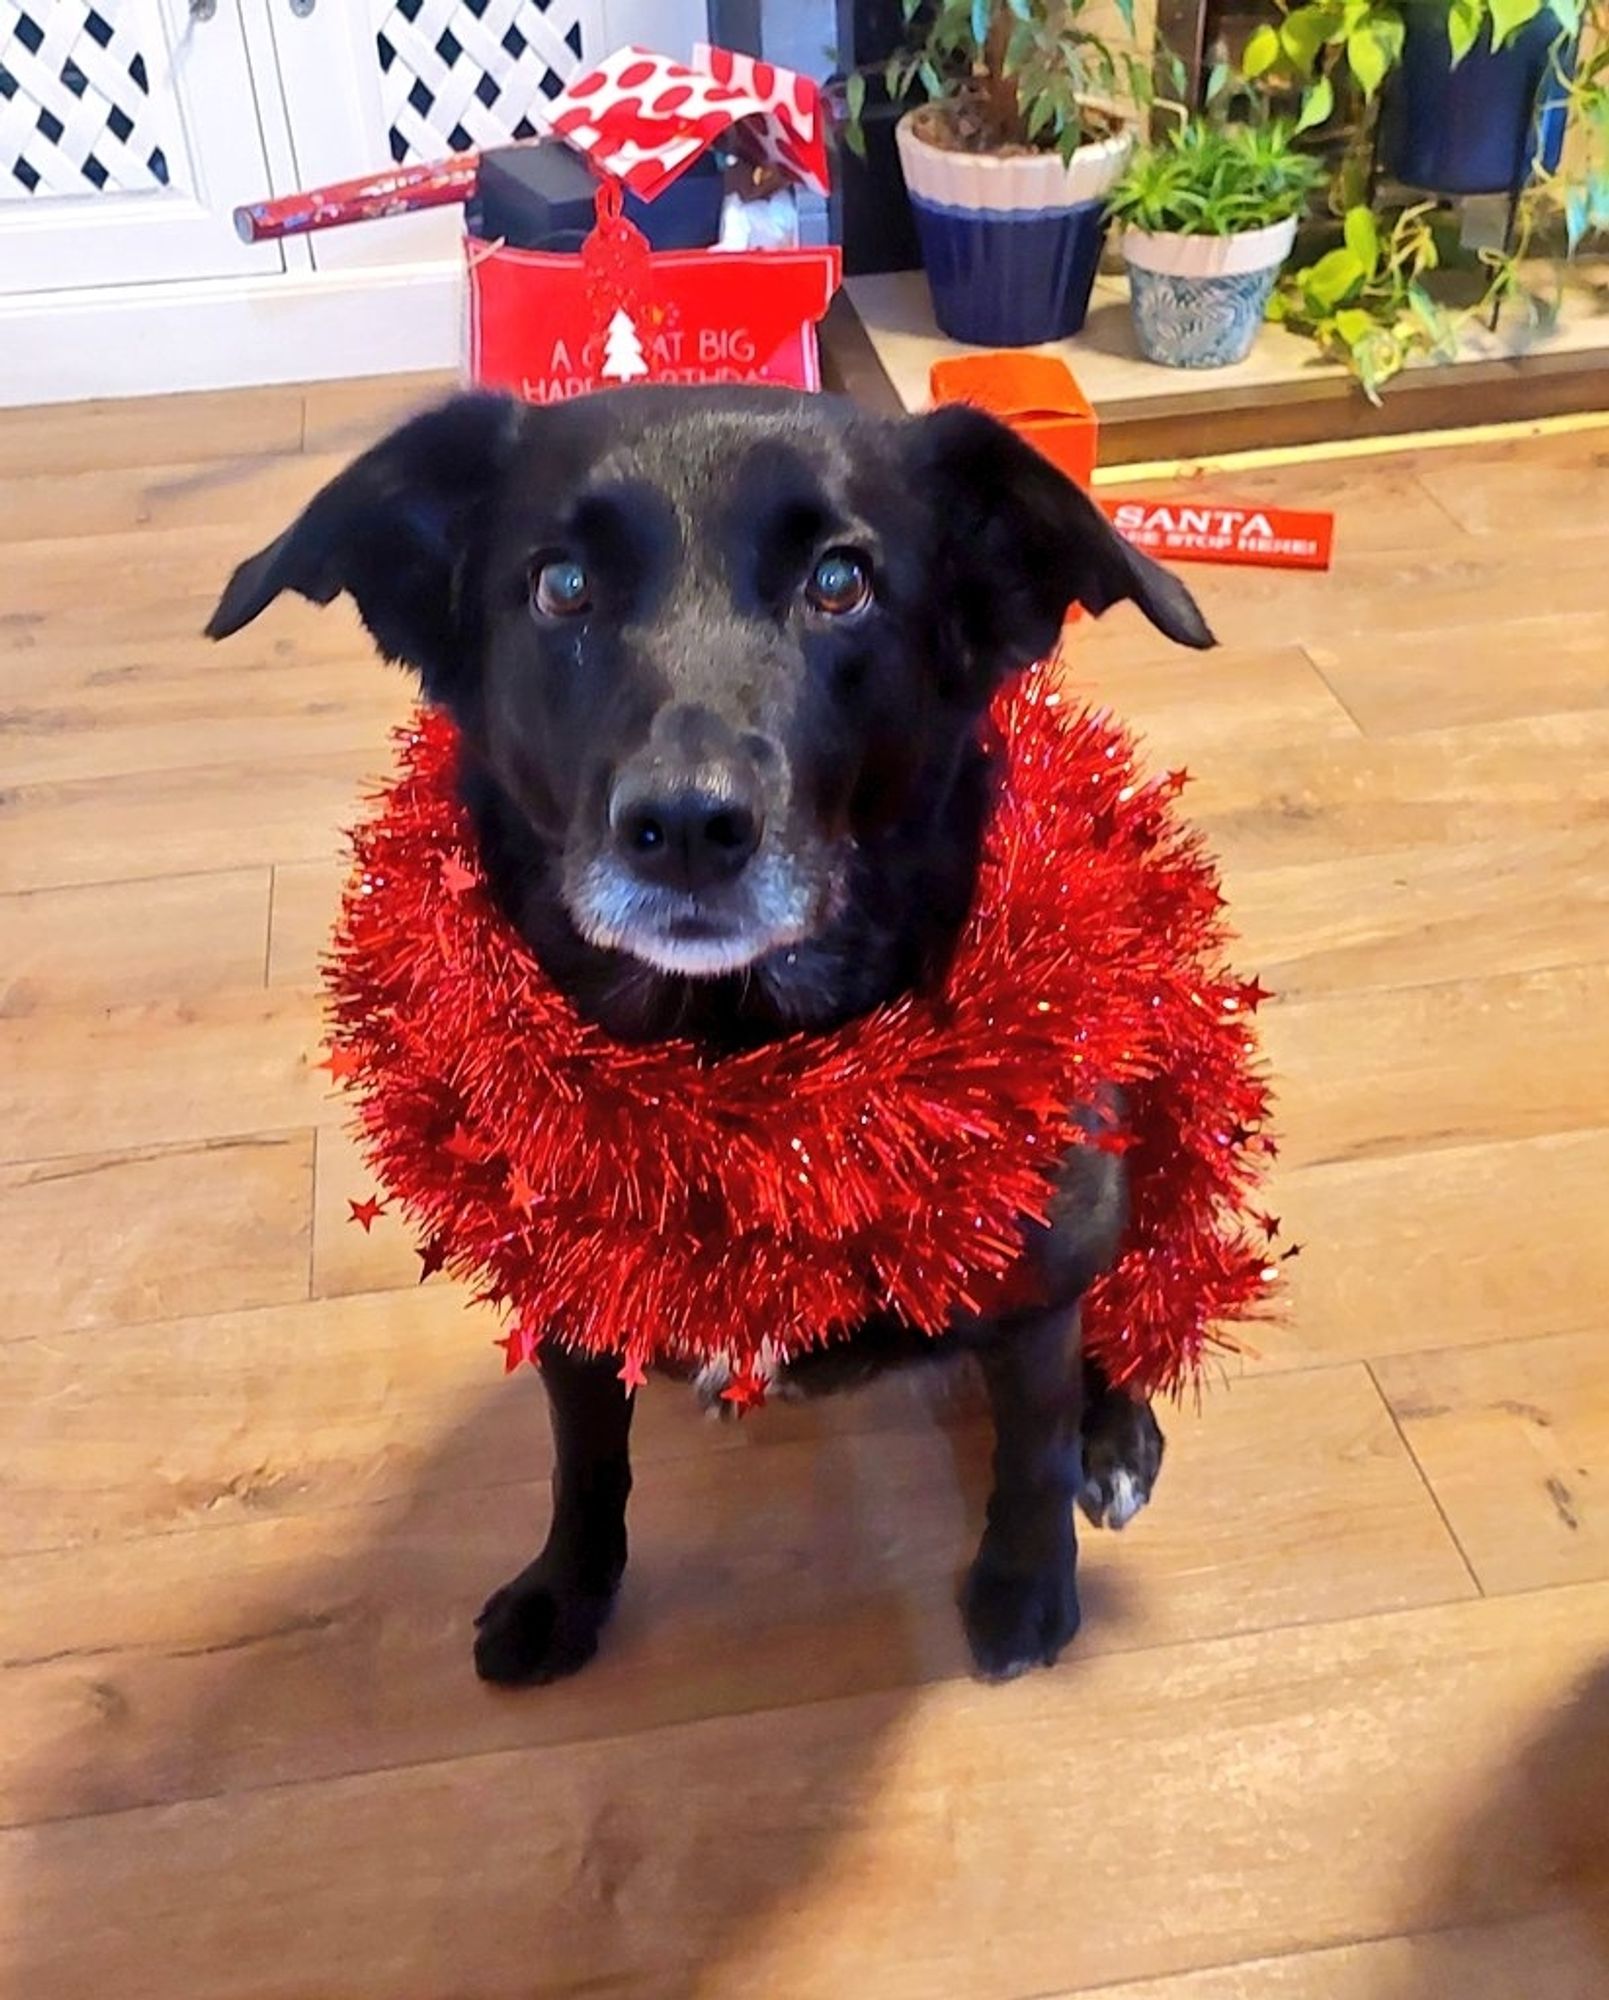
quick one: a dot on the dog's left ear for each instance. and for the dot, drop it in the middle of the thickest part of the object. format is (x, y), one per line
(393, 529)
(1021, 543)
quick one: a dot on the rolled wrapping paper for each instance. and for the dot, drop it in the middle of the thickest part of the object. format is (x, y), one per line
(636, 116)
(398, 191)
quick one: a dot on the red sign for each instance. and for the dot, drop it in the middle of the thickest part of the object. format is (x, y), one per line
(706, 316)
(1209, 531)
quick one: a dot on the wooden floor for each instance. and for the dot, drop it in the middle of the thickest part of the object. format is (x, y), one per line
(1338, 1726)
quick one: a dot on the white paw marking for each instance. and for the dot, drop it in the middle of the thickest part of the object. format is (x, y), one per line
(1127, 1496)
(1113, 1500)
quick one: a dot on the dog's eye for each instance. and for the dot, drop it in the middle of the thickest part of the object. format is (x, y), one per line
(840, 583)
(559, 588)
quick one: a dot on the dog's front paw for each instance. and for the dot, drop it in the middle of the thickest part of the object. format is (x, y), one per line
(536, 1629)
(1123, 1448)
(1018, 1619)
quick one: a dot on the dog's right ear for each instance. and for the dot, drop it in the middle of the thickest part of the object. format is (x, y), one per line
(392, 529)
(1020, 543)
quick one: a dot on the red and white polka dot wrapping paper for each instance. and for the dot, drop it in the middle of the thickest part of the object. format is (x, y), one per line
(645, 119)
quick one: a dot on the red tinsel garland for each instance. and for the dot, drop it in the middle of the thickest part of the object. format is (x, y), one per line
(654, 1204)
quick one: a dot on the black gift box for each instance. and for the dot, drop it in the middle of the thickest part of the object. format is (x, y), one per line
(541, 198)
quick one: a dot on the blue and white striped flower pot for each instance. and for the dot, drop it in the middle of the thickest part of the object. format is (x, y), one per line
(1198, 301)
(1010, 242)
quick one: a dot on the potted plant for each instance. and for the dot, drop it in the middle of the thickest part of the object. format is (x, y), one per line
(1008, 159)
(1375, 299)
(1474, 105)
(1471, 98)
(1210, 214)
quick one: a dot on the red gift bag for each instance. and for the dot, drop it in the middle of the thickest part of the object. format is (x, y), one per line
(548, 325)
(708, 316)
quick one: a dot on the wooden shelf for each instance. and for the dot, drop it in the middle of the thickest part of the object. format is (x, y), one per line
(880, 341)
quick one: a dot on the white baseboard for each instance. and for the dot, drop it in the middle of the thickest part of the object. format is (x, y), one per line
(230, 333)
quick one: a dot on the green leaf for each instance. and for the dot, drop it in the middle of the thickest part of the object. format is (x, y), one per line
(1437, 326)
(1362, 237)
(1318, 101)
(1390, 31)
(1425, 309)
(1218, 81)
(1305, 31)
(855, 104)
(1262, 49)
(1463, 25)
(1367, 59)
(1365, 358)
(1509, 16)
(1333, 276)
(981, 10)
(1040, 113)
(1353, 324)
(1568, 15)
(1576, 213)
(1018, 49)
(1125, 9)
(1023, 9)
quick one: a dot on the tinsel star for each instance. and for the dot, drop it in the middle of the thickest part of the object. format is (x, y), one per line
(632, 1372)
(520, 1191)
(1251, 993)
(519, 1346)
(1177, 780)
(432, 1257)
(365, 1212)
(463, 1145)
(745, 1391)
(341, 1063)
(455, 877)
(1269, 1224)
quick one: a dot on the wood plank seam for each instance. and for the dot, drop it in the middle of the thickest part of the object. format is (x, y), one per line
(1335, 693)
(1424, 1478)
(595, 1738)
(1409, 1934)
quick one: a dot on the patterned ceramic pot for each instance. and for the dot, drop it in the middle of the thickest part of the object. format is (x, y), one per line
(1010, 243)
(1199, 300)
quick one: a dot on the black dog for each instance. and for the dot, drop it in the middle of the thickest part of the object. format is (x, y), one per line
(719, 659)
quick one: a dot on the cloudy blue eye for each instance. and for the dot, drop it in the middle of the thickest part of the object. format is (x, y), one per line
(840, 583)
(560, 588)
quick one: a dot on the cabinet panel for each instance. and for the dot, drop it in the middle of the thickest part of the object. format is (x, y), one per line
(128, 133)
(371, 81)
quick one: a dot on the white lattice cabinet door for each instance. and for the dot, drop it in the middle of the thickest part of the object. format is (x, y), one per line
(128, 132)
(367, 82)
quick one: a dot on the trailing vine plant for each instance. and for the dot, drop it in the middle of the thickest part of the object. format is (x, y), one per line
(1368, 301)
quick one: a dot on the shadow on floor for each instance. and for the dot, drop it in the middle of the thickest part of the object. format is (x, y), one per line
(1534, 1861)
(618, 1834)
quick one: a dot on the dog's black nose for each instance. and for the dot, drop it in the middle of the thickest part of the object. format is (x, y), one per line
(690, 836)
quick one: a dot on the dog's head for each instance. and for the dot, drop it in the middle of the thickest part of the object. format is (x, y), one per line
(708, 643)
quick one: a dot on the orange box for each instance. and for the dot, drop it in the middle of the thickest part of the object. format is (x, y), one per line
(1035, 393)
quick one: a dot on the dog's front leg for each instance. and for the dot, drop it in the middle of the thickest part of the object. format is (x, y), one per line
(545, 1622)
(1020, 1602)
